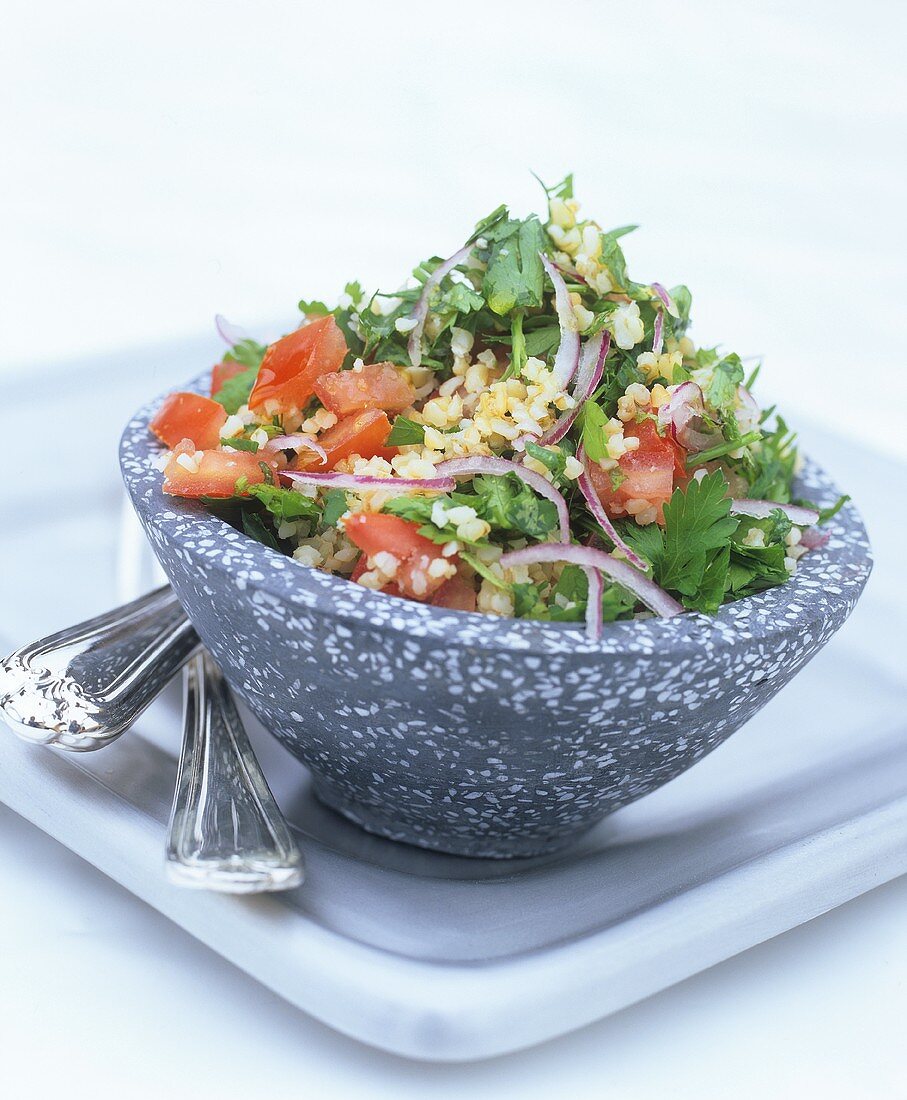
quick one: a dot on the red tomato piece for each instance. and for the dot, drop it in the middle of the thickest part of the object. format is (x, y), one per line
(362, 433)
(291, 365)
(217, 471)
(647, 473)
(189, 416)
(374, 533)
(377, 386)
(456, 593)
(223, 372)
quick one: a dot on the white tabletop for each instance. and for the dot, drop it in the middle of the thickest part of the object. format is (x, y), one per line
(189, 159)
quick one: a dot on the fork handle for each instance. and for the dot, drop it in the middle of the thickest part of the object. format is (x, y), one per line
(226, 831)
(81, 688)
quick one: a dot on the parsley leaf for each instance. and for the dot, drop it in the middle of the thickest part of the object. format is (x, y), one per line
(554, 459)
(594, 420)
(240, 443)
(256, 528)
(726, 377)
(285, 505)
(235, 391)
(514, 276)
(335, 504)
(697, 521)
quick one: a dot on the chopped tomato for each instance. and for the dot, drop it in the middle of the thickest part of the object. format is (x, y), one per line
(189, 416)
(217, 471)
(223, 372)
(291, 365)
(362, 433)
(457, 594)
(374, 533)
(377, 386)
(647, 473)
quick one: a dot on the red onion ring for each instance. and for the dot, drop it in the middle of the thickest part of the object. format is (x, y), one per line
(647, 591)
(814, 539)
(686, 404)
(594, 603)
(567, 358)
(762, 509)
(658, 335)
(296, 443)
(584, 481)
(229, 333)
(420, 313)
(665, 297)
(591, 369)
(366, 481)
(500, 467)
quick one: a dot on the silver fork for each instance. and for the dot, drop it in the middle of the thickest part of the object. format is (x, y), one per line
(83, 687)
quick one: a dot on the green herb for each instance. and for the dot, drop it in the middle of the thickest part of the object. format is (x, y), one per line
(240, 443)
(234, 393)
(774, 462)
(405, 433)
(721, 449)
(510, 505)
(256, 528)
(514, 276)
(285, 505)
(726, 377)
(482, 569)
(825, 514)
(593, 420)
(334, 505)
(554, 459)
(313, 309)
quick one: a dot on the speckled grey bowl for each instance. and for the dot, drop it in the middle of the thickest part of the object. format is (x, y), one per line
(468, 733)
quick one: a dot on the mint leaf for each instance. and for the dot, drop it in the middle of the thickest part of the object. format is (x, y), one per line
(405, 432)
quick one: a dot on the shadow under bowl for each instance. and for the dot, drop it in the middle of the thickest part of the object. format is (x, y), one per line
(468, 733)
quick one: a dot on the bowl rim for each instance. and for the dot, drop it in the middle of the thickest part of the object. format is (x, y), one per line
(827, 581)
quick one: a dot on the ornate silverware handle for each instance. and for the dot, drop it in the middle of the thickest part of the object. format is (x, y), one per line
(226, 831)
(81, 688)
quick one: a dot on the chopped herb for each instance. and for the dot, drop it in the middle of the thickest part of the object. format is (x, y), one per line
(405, 433)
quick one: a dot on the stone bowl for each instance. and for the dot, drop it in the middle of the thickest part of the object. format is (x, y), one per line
(464, 732)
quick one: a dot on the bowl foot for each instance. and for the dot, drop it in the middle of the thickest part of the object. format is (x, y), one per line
(460, 843)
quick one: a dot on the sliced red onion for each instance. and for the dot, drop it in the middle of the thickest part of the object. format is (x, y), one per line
(762, 509)
(297, 443)
(230, 334)
(366, 481)
(420, 313)
(570, 273)
(594, 603)
(591, 369)
(600, 515)
(685, 406)
(814, 539)
(666, 298)
(500, 467)
(647, 591)
(658, 336)
(567, 358)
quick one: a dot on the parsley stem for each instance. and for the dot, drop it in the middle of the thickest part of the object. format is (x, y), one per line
(723, 448)
(517, 347)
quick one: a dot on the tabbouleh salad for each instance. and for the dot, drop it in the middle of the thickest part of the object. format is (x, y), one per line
(522, 429)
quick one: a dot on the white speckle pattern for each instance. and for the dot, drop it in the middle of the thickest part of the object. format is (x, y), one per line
(469, 733)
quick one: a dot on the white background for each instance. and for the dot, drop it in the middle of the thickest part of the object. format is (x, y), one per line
(166, 161)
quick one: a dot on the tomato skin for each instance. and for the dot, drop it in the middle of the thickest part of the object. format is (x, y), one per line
(292, 365)
(375, 532)
(223, 372)
(457, 594)
(189, 416)
(649, 473)
(363, 433)
(376, 386)
(217, 473)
